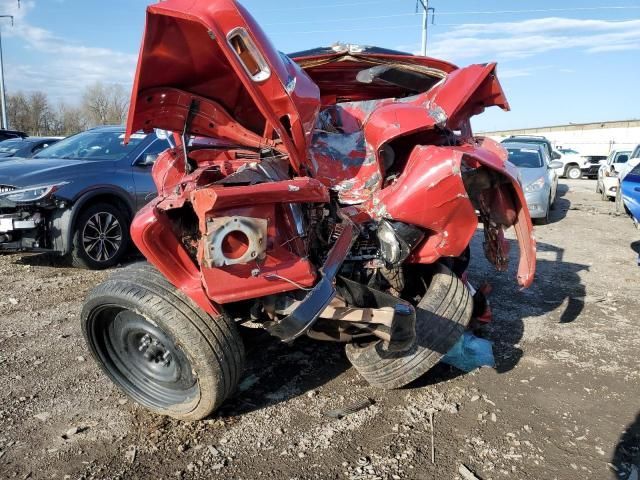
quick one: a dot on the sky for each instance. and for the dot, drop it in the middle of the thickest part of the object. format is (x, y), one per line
(570, 61)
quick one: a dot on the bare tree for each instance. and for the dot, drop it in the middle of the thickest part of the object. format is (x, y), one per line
(100, 104)
(18, 111)
(105, 104)
(69, 120)
(39, 113)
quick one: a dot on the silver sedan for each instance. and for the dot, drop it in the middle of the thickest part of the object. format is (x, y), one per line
(538, 177)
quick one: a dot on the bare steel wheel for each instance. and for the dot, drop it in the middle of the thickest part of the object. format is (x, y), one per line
(141, 358)
(100, 237)
(159, 347)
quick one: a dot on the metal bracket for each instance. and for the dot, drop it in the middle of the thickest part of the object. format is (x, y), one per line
(308, 311)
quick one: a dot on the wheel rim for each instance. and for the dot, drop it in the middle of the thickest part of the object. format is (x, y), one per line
(574, 173)
(141, 358)
(102, 237)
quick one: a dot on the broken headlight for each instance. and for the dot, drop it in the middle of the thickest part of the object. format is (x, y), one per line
(397, 240)
(32, 194)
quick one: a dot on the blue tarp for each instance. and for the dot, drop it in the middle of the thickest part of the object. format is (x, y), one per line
(470, 352)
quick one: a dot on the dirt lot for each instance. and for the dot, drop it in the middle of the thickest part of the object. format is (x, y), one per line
(564, 393)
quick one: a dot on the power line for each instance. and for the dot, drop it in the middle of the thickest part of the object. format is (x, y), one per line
(477, 12)
(331, 20)
(543, 10)
(316, 7)
(363, 29)
(394, 27)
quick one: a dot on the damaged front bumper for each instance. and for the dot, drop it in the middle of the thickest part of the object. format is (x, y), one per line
(20, 231)
(398, 332)
(308, 311)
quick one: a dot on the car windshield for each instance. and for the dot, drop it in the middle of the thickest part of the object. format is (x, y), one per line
(568, 151)
(93, 145)
(11, 146)
(525, 157)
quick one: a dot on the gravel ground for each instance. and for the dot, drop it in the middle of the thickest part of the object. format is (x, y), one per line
(562, 403)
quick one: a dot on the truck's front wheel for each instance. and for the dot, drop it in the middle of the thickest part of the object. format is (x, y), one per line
(160, 348)
(573, 172)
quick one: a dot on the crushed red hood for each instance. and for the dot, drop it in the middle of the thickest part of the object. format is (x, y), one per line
(214, 53)
(209, 69)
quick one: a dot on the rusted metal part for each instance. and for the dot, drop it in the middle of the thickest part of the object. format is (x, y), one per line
(307, 312)
(253, 231)
(400, 334)
(381, 316)
(496, 248)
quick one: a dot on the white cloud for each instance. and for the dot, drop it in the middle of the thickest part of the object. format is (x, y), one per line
(511, 40)
(522, 72)
(69, 66)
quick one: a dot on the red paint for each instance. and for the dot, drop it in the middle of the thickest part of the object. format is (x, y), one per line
(152, 234)
(336, 134)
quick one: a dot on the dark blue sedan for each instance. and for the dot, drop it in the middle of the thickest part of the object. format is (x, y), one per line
(25, 147)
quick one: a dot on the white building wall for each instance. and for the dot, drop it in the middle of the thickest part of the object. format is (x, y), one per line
(588, 139)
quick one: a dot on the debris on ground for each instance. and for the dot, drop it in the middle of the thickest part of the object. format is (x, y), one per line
(466, 473)
(356, 407)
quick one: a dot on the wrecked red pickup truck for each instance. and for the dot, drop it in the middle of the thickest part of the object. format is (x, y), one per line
(331, 193)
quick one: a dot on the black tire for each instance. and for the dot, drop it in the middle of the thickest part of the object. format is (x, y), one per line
(441, 318)
(573, 172)
(94, 249)
(138, 310)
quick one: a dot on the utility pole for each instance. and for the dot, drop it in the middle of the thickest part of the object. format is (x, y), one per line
(3, 95)
(425, 21)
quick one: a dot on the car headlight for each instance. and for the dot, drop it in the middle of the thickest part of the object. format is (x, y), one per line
(397, 240)
(535, 185)
(31, 194)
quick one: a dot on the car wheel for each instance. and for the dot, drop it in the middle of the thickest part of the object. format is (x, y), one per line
(441, 318)
(158, 347)
(573, 172)
(100, 237)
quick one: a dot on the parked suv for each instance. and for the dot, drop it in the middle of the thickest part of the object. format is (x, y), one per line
(608, 182)
(572, 163)
(77, 197)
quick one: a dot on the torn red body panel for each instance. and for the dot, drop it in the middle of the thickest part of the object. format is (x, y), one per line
(300, 150)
